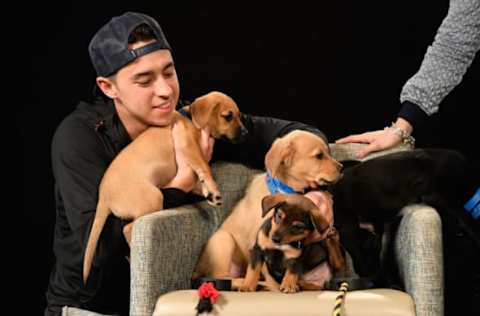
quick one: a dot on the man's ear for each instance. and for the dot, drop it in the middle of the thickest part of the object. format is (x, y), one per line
(106, 85)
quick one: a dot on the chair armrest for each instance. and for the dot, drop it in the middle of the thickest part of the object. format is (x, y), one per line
(342, 152)
(419, 253)
(166, 244)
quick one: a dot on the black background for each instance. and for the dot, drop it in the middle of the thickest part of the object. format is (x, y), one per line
(339, 65)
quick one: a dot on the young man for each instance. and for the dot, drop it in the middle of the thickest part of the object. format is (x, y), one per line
(136, 73)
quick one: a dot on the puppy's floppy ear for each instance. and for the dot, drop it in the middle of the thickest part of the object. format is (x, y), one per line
(279, 156)
(336, 259)
(202, 109)
(271, 201)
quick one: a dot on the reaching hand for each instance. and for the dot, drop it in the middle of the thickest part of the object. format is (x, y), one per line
(185, 179)
(383, 139)
(377, 140)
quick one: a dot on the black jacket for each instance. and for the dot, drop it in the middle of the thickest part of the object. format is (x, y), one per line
(83, 146)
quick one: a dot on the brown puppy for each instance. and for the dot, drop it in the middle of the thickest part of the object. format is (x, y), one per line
(301, 160)
(130, 186)
(282, 239)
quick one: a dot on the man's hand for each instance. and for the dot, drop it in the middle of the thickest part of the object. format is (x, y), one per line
(324, 203)
(185, 179)
(206, 144)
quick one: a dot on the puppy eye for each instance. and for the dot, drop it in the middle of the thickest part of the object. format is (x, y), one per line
(319, 156)
(278, 217)
(298, 228)
(228, 117)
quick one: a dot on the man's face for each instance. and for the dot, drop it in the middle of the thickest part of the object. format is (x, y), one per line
(147, 90)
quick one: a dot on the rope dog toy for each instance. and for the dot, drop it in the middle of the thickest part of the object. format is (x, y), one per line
(340, 299)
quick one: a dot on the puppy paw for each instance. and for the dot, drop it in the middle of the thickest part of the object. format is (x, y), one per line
(217, 200)
(214, 198)
(290, 283)
(289, 288)
(247, 287)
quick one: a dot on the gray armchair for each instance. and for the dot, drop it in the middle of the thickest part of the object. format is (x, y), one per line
(166, 244)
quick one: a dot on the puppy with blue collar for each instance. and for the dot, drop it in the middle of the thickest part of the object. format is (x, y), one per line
(301, 161)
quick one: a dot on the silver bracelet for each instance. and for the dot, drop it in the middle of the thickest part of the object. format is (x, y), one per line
(404, 136)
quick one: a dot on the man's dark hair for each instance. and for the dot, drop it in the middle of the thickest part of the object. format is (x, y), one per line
(141, 33)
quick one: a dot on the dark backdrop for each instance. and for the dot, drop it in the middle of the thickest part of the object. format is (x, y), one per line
(339, 65)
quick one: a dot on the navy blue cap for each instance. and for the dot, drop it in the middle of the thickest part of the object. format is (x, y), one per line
(109, 50)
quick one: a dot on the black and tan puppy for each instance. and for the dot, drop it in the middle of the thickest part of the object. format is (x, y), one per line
(282, 240)
(376, 190)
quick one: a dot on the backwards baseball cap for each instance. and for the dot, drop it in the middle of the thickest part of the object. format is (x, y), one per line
(109, 49)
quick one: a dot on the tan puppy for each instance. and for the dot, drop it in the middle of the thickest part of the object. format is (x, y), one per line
(130, 186)
(301, 160)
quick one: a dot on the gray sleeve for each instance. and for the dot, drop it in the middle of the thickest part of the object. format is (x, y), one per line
(448, 58)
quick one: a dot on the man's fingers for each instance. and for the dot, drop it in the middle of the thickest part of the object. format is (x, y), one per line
(324, 204)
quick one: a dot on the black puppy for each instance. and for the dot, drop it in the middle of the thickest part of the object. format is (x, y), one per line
(375, 191)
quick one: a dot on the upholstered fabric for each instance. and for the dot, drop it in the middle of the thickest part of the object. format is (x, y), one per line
(73, 311)
(418, 248)
(166, 245)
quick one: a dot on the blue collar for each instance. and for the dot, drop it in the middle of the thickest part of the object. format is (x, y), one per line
(277, 186)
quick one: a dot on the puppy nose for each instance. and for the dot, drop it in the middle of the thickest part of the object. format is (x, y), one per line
(241, 134)
(339, 166)
(276, 239)
(243, 131)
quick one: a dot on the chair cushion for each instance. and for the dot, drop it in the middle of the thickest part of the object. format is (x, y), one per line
(371, 302)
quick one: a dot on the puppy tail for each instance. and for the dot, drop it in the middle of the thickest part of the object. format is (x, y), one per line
(101, 216)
